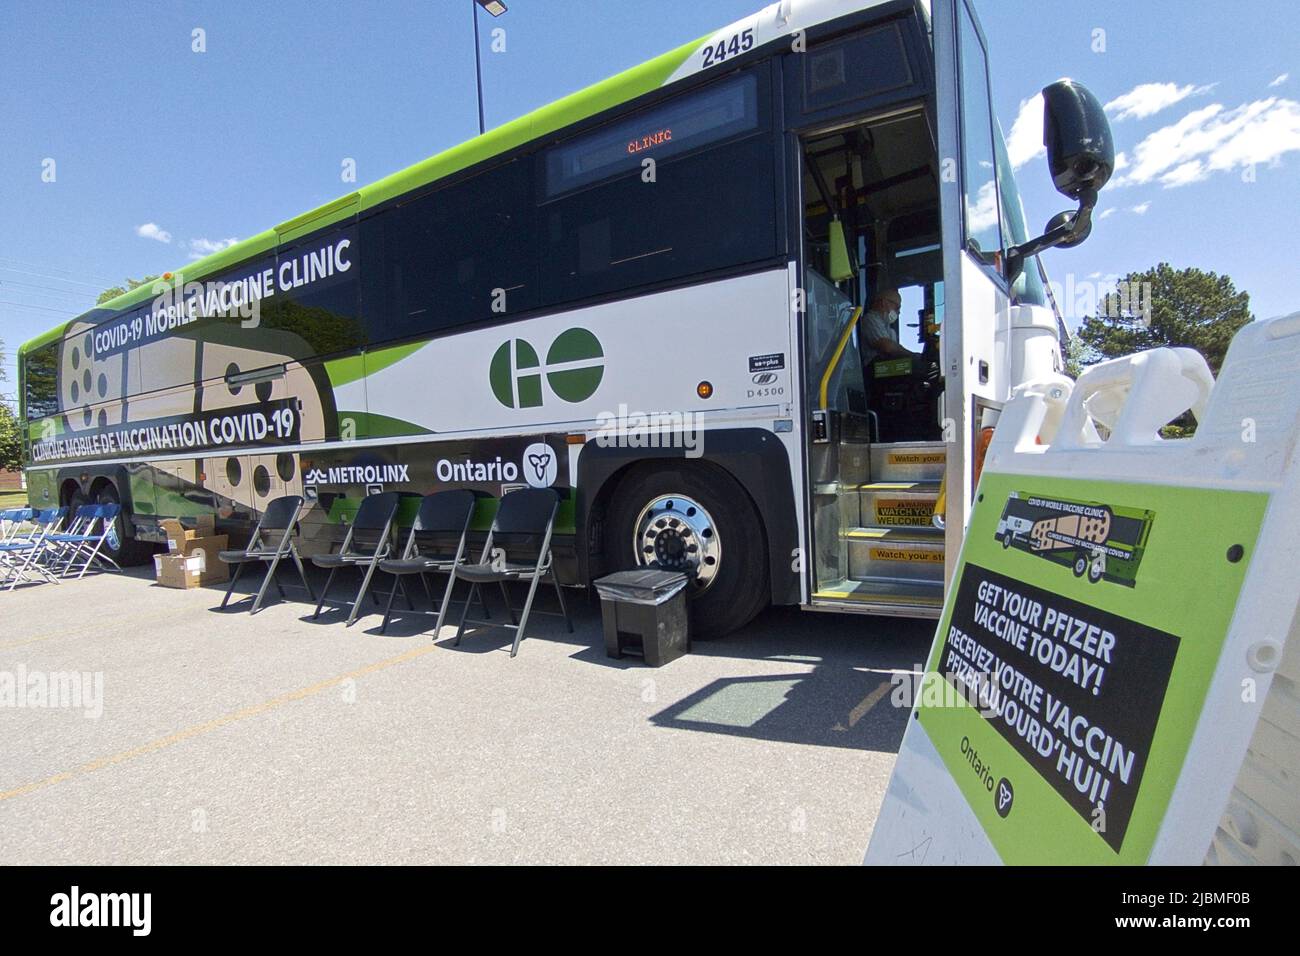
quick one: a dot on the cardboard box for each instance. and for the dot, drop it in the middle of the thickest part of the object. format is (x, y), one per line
(192, 563)
(178, 535)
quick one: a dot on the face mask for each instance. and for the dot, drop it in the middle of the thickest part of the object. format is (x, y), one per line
(892, 315)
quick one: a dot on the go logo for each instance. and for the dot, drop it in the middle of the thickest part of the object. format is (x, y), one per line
(573, 370)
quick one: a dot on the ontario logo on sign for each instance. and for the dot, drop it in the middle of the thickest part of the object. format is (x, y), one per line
(573, 370)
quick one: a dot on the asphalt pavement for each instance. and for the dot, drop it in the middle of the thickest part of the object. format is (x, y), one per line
(142, 725)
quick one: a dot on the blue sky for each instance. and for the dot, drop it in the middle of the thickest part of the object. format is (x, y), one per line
(161, 153)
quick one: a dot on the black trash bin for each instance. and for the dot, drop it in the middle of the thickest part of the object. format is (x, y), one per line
(644, 612)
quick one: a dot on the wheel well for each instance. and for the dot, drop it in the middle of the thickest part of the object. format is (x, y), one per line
(98, 484)
(754, 458)
(596, 515)
(600, 504)
(67, 490)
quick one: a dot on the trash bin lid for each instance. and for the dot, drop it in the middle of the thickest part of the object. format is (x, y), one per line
(641, 585)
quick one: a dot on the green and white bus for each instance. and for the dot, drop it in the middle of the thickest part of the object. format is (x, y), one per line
(645, 295)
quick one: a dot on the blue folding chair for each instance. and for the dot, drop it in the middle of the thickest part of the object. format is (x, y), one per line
(13, 521)
(81, 548)
(22, 555)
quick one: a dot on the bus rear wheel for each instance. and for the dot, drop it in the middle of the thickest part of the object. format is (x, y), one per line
(129, 550)
(698, 520)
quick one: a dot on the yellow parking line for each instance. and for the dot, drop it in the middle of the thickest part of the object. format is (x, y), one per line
(868, 702)
(216, 723)
(132, 625)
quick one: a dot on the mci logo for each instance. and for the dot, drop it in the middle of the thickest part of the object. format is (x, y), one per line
(573, 370)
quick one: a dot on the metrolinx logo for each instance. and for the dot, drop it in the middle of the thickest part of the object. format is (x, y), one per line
(573, 370)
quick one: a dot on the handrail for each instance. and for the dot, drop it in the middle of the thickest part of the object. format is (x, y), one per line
(839, 351)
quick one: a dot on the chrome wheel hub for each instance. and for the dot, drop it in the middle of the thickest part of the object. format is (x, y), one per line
(676, 532)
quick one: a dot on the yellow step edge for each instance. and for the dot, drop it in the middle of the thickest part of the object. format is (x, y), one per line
(914, 534)
(913, 487)
(858, 597)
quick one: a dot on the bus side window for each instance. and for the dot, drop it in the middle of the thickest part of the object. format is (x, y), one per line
(660, 195)
(40, 374)
(461, 254)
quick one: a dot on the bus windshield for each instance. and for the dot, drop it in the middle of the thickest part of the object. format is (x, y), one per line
(1028, 287)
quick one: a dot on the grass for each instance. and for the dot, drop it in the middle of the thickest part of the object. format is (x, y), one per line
(13, 499)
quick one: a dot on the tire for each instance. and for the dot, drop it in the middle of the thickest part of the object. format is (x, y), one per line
(1094, 572)
(76, 500)
(129, 551)
(737, 587)
(1080, 567)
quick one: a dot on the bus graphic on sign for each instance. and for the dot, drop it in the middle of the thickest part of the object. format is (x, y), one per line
(1094, 540)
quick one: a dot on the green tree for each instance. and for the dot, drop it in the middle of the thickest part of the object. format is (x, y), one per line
(1075, 353)
(117, 290)
(11, 446)
(1165, 306)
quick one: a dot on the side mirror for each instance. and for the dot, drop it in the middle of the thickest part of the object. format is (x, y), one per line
(1076, 233)
(1080, 149)
(1081, 157)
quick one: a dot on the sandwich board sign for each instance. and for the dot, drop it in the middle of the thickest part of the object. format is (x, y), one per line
(1114, 620)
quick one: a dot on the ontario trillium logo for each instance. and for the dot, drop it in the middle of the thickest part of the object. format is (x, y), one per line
(539, 465)
(573, 370)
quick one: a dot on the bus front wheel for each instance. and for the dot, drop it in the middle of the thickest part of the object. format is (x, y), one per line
(693, 518)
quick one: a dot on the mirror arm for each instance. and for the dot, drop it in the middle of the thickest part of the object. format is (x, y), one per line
(1077, 225)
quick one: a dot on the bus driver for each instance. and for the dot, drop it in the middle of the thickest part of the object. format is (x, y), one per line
(878, 328)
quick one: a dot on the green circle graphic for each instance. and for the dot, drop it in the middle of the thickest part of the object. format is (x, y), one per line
(576, 383)
(516, 384)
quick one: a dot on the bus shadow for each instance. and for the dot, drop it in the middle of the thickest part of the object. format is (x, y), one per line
(850, 697)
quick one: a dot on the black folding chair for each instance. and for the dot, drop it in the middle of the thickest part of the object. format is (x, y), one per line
(523, 517)
(435, 546)
(368, 541)
(272, 540)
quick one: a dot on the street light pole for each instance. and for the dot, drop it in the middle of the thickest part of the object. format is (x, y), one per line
(496, 8)
(478, 70)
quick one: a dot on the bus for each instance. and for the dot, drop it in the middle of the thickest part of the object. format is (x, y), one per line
(1091, 538)
(649, 296)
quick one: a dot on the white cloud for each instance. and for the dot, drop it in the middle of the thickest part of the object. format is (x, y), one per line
(1279, 80)
(983, 213)
(1191, 171)
(205, 247)
(1025, 141)
(1148, 99)
(1106, 214)
(151, 230)
(1140, 209)
(1214, 139)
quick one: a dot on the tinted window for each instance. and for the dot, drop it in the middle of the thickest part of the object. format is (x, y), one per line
(317, 295)
(708, 209)
(979, 187)
(690, 122)
(461, 254)
(40, 375)
(863, 65)
(1028, 287)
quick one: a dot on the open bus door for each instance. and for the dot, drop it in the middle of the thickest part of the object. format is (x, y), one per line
(976, 294)
(891, 498)
(928, 194)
